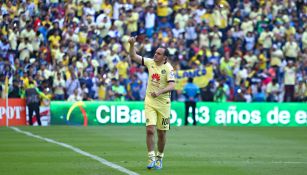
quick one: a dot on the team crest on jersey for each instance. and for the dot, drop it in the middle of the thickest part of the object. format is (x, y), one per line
(163, 71)
(155, 77)
(172, 74)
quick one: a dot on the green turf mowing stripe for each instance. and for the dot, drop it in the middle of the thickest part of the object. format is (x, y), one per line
(77, 150)
(189, 151)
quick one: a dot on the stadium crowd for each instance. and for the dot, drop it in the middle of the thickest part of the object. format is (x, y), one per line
(78, 50)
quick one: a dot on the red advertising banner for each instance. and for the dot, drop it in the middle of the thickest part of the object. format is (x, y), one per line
(45, 116)
(16, 112)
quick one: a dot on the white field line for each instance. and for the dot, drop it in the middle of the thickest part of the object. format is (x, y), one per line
(77, 150)
(289, 162)
(254, 162)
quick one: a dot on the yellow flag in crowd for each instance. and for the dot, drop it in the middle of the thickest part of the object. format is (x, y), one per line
(6, 87)
(201, 77)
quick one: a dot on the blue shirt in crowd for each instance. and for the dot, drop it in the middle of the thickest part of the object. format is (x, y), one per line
(191, 92)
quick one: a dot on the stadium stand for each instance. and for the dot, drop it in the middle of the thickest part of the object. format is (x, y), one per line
(79, 48)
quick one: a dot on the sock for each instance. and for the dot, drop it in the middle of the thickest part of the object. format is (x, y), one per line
(160, 155)
(152, 155)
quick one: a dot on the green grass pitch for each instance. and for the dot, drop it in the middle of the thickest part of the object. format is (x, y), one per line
(189, 151)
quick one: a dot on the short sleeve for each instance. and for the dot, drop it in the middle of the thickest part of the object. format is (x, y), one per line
(170, 74)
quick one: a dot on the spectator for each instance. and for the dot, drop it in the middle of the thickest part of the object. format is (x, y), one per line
(71, 84)
(291, 49)
(122, 67)
(258, 38)
(143, 77)
(133, 88)
(102, 90)
(239, 97)
(300, 91)
(75, 96)
(150, 18)
(207, 93)
(33, 101)
(118, 91)
(16, 92)
(59, 87)
(273, 91)
(178, 32)
(131, 22)
(25, 49)
(191, 93)
(259, 96)
(289, 82)
(4, 48)
(221, 92)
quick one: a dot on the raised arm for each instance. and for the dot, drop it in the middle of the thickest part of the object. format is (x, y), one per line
(135, 57)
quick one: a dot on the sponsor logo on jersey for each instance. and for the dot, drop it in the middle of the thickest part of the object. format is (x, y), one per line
(155, 77)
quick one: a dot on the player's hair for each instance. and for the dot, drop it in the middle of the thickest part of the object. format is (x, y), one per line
(166, 53)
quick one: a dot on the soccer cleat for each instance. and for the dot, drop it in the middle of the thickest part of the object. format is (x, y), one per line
(151, 163)
(158, 164)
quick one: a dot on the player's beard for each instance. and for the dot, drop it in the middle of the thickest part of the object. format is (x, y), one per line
(157, 60)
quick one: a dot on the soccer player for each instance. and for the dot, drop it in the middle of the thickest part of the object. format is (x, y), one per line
(161, 82)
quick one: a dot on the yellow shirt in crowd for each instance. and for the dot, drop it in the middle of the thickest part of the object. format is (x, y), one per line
(107, 9)
(162, 8)
(122, 68)
(289, 75)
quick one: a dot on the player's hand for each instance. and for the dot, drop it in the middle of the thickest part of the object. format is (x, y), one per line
(155, 94)
(131, 40)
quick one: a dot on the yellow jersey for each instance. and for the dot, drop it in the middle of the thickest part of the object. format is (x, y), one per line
(159, 77)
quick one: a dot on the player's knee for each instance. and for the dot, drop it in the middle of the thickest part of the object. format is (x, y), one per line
(150, 131)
